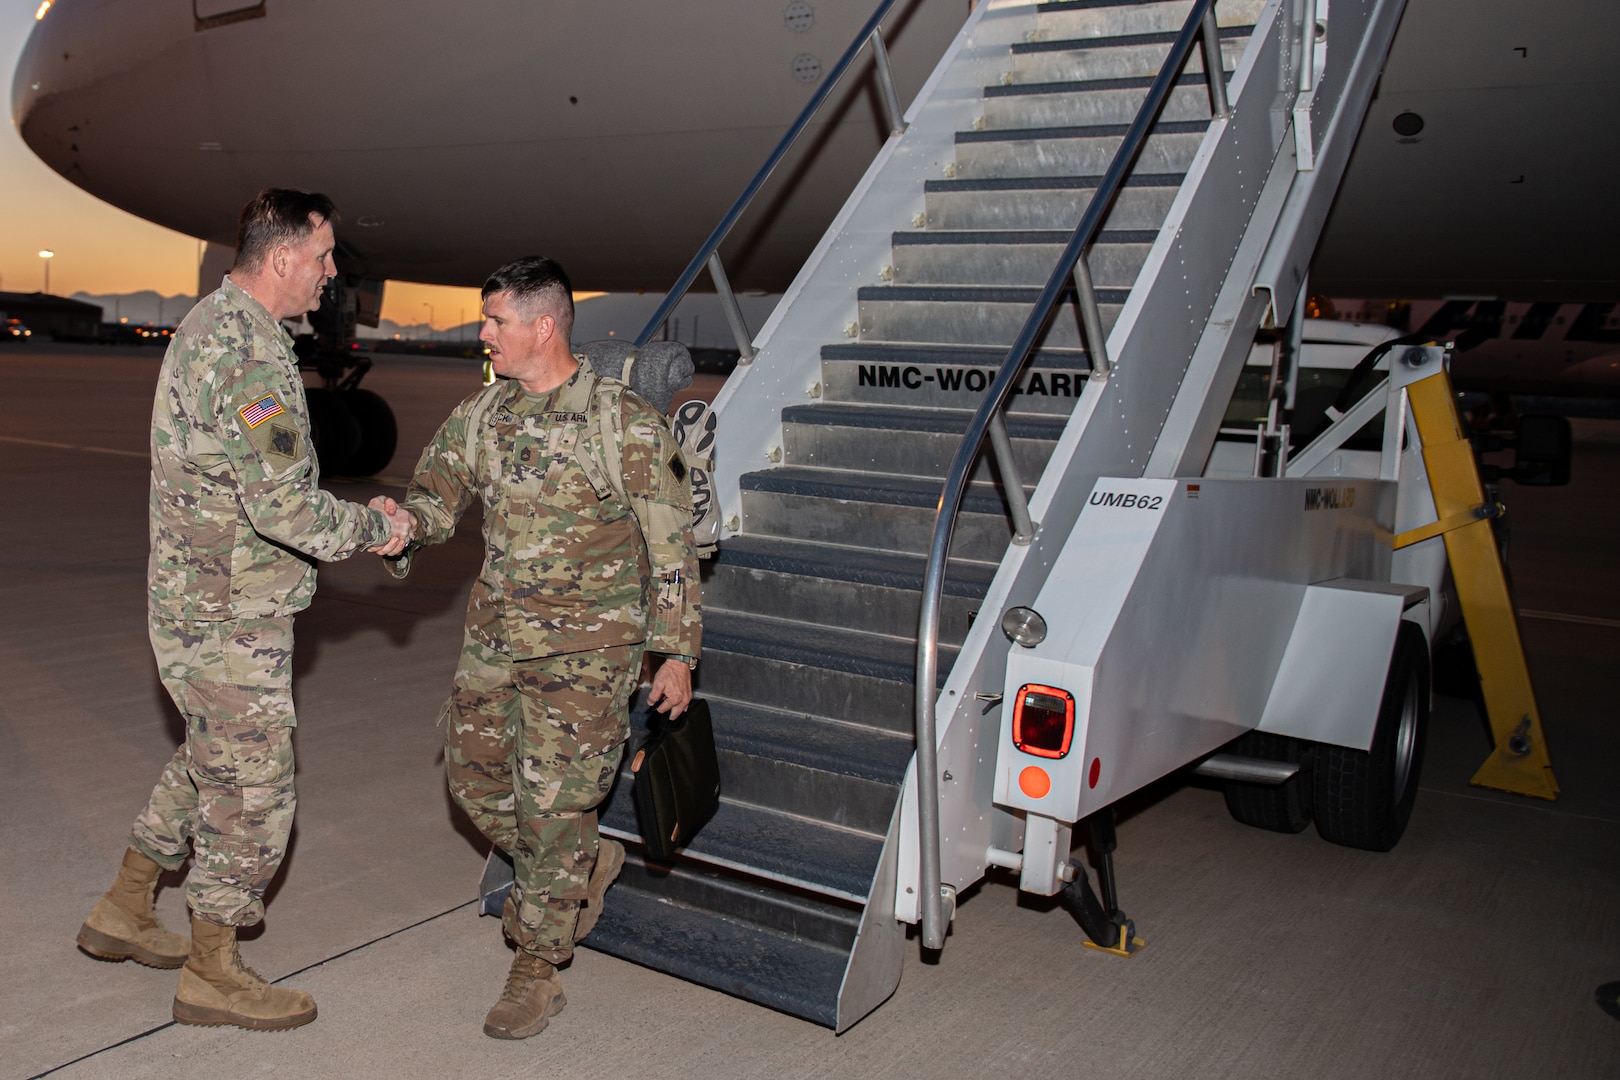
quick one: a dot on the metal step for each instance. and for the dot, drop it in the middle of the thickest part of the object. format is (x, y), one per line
(949, 376)
(796, 763)
(767, 845)
(687, 923)
(886, 513)
(902, 441)
(1119, 57)
(1073, 151)
(1022, 257)
(1046, 202)
(1112, 18)
(1088, 103)
(970, 315)
(835, 673)
(877, 592)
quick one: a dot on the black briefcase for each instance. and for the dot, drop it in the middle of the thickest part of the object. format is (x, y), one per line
(677, 786)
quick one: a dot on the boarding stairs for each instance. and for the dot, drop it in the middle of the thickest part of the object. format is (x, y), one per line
(837, 435)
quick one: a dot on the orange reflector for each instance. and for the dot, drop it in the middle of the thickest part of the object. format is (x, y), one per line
(1043, 720)
(1034, 782)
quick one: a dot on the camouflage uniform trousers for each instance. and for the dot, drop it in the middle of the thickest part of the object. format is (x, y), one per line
(228, 791)
(557, 727)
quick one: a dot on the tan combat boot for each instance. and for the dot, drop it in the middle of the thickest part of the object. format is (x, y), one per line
(123, 926)
(609, 861)
(533, 995)
(217, 988)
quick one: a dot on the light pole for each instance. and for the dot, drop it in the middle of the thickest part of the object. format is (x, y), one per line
(46, 255)
(430, 318)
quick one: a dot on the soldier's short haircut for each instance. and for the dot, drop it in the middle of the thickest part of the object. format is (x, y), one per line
(278, 216)
(535, 281)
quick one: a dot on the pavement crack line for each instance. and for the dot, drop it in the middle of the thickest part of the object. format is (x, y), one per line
(138, 1036)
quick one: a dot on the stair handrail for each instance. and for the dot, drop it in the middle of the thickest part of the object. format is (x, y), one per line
(1200, 24)
(709, 254)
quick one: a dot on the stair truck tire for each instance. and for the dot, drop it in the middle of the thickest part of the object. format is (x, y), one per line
(335, 431)
(1286, 807)
(1363, 798)
(378, 433)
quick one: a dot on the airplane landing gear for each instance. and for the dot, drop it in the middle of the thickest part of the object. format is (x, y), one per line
(354, 430)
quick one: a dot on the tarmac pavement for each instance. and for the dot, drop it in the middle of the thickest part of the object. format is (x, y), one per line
(1472, 950)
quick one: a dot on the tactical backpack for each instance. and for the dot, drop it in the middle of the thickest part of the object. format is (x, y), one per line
(664, 368)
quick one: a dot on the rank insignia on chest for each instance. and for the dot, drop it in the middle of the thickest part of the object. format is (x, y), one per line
(259, 411)
(283, 441)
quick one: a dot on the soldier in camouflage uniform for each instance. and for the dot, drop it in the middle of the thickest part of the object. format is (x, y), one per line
(583, 573)
(237, 521)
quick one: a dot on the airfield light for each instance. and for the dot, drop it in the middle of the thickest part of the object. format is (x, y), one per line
(47, 255)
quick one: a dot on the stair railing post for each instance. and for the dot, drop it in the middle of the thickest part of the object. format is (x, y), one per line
(1013, 484)
(733, 310)
(891, 99)
(1307, 59)
(1091, 320)
(1214, 66)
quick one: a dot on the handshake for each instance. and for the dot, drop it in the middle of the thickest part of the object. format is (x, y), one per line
(400, 520)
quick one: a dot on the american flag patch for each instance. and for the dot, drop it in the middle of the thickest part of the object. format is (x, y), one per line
(257, 413)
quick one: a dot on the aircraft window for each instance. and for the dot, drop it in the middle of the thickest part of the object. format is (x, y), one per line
(211, 13)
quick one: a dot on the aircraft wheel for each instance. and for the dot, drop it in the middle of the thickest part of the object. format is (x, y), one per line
(1284, 807)
(1364, 798)
(378, 433)
(335, 430)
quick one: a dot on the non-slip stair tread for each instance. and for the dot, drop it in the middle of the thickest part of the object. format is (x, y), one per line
(887, 489)
(768, 844)
(1084, 86)
(877, 656)
(796, 738)
(909, 418)
(971, 294)
(968, 355)
(1156, 37)
(891, 569)
(796, 976)
(1019, 236)
(1089, 131)
(1049, 183)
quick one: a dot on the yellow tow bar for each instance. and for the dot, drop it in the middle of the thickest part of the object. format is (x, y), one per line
(1519, 764)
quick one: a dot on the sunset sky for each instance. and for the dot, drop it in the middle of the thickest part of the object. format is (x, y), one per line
(100, 249)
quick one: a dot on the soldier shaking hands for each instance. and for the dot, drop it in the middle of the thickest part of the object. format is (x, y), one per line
(237, 522)
(588, 564)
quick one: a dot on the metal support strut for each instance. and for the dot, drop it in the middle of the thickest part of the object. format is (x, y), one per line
(1104, 923)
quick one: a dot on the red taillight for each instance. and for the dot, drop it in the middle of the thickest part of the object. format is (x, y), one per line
(1043, 720)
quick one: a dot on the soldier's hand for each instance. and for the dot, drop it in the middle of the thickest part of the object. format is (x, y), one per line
(402, 526)
(671, 687)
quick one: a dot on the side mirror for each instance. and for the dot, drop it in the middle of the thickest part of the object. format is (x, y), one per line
(1543, 449)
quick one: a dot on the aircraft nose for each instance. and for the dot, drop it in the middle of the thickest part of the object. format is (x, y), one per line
(78, 44)
(96, 89)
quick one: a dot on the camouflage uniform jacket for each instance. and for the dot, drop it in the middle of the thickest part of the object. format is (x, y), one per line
(568, 566)
(237, 516)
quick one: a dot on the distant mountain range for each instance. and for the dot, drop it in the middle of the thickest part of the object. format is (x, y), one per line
(697, 321)
(145, 306)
